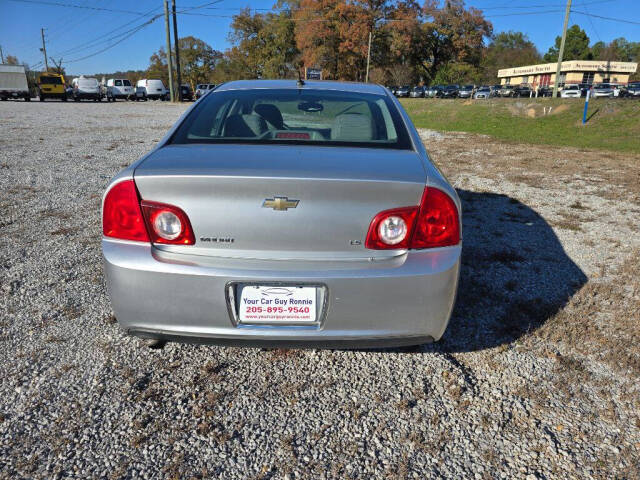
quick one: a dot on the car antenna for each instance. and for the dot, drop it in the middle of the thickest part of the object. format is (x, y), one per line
(300, 82)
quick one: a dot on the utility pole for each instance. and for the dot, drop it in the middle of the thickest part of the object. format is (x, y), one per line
(44, 50)
(368, 58)
(175, 36)
(169, 62)
(1, 54)
(561, 52)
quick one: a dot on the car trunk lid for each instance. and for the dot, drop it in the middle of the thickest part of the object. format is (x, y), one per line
(241, 199)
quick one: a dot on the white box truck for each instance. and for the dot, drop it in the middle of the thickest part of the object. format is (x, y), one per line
(13, 82)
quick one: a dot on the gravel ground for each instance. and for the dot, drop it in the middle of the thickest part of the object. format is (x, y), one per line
(518, 387)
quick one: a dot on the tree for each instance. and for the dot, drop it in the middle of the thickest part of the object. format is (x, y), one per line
(197, 61)
(401, 74)
(264, 46)
(11, 60)
(454, 34)
(458, 72)
(576, 46)
(334, 34)
(506, 50)
(620, 50)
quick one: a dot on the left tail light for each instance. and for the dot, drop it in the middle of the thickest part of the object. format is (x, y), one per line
(125, 217)
(433, 223)
(121, 214)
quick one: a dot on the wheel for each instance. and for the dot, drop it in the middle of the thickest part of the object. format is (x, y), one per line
(27, 98)
(64, 99)
(76, 99)
(41, 97)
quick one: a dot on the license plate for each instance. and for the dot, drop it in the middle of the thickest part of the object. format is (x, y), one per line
(277, 304)
(14, 94)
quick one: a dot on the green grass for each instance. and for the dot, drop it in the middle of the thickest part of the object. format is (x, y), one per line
(614, 124)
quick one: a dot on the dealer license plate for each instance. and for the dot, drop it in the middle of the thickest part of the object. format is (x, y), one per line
(277, 304)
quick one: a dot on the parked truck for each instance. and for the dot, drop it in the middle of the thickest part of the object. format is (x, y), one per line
(13, 82)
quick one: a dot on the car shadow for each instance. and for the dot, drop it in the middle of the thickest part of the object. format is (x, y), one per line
(515, 275)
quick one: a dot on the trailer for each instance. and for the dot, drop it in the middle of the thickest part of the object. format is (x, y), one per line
(13, 82)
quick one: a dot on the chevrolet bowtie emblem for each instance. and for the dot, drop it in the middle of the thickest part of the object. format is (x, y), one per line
(280, 203)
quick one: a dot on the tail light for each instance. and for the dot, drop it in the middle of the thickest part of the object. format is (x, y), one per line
(433, 223)
(167, 224)
(125, 217)
(121, 215)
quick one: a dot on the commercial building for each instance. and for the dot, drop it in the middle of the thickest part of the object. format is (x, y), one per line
(571, 72)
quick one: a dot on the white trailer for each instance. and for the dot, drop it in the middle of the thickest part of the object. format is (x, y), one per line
(13, 82)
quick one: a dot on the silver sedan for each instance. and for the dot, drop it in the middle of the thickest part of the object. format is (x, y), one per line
(284, 213)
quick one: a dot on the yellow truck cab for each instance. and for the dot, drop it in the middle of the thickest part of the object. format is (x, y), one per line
(52, 85)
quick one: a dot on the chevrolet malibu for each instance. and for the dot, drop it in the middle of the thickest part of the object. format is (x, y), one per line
(284, 213)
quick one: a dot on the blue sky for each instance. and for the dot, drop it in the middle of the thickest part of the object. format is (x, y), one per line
(69, 29)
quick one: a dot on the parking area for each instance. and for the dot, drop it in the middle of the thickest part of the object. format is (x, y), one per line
(536, 376)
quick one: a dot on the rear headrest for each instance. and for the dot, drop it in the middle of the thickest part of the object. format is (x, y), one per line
(352, 127)
(271, 114)
(248, 125)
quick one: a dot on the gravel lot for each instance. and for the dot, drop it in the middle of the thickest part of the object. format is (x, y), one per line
(537, 376)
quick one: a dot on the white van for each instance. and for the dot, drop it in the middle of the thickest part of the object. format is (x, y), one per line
(86, 88)
(154, 89)
(119, 88)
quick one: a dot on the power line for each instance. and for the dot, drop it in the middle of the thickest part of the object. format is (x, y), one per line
(132, 32)
(511, 6)
(606, 18)
(69, 5)
(101, 38)
(591, 21)
(121, 36)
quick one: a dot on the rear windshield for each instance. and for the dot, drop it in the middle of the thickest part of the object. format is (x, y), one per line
(126, 83)
(87, 82)
(118, 83)
(51, 80)
(200, 87)
(319, 117)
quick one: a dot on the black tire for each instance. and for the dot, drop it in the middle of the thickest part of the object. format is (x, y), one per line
(41, 97)
(64, 99)
(76, 99)
(27, 98)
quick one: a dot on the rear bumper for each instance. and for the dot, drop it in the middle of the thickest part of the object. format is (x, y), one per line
(53, 94)
(86, 95)
(401, 301)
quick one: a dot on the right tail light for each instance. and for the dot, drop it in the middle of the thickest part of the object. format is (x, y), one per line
(433, 223)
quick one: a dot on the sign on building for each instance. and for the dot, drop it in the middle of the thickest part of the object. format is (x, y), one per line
(313, 73)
